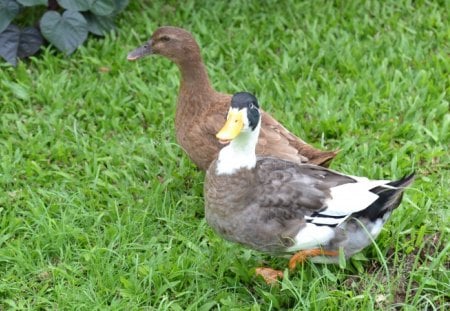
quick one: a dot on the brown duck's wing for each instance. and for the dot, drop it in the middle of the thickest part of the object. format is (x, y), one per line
(275, 140)
(295, 189)
(196, 133)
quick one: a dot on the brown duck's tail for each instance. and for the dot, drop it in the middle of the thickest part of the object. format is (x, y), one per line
(323, 158)
(390, 196)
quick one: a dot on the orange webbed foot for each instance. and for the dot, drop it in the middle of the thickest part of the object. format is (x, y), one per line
(301, 256)
(270, 276)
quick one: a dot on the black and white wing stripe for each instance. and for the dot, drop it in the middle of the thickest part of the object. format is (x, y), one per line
(345, 200)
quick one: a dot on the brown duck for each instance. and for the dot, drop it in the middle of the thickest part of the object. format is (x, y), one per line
(201, 110)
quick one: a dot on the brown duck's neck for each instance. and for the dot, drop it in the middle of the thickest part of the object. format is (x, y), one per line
(194, 78)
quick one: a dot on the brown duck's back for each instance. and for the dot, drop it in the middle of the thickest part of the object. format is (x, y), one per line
(196, 130)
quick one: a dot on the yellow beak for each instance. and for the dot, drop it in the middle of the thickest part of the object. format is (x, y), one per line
(233, 126)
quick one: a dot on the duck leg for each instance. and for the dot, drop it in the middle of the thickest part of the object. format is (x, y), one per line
(269, 275)
(301, 256)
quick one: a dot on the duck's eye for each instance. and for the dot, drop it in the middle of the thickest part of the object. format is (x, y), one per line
(164, 38)
(251, 106)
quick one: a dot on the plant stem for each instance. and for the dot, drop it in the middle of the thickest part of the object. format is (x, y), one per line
(53, 5)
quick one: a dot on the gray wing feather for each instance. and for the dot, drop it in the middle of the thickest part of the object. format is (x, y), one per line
(299, 188)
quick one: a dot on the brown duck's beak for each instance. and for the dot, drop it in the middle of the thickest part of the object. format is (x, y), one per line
(141, 51)
(232, 128)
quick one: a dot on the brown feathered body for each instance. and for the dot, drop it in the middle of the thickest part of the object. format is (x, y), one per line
(201, 110)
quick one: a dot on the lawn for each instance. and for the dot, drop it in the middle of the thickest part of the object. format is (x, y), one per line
(101, 209)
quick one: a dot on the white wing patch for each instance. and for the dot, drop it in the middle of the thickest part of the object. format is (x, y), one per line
(351, 198)
(312, 236)
(345, 200)
(323, 220)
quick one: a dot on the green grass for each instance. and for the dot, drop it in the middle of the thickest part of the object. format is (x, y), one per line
(100, 208)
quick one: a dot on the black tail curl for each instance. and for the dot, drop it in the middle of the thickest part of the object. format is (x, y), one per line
(390, 197)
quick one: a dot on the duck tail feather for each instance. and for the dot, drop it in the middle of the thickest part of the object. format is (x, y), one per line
(390, 196)
(403, 182)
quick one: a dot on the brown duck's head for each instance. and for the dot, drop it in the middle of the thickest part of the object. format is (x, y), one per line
(174, 43)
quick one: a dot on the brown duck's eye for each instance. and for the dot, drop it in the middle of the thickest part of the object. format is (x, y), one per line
(164, 38)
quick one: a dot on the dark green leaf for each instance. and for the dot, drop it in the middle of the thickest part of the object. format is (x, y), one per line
(120, 5)
(8, 10)
(98, 7)
(30, 42)
(66, 32)
(9, 43)
(19, 43)
(75, 5)
(99, 25)
(102, 7)
(32, 2)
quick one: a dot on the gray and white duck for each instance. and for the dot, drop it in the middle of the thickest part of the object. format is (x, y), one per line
(283, 207)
